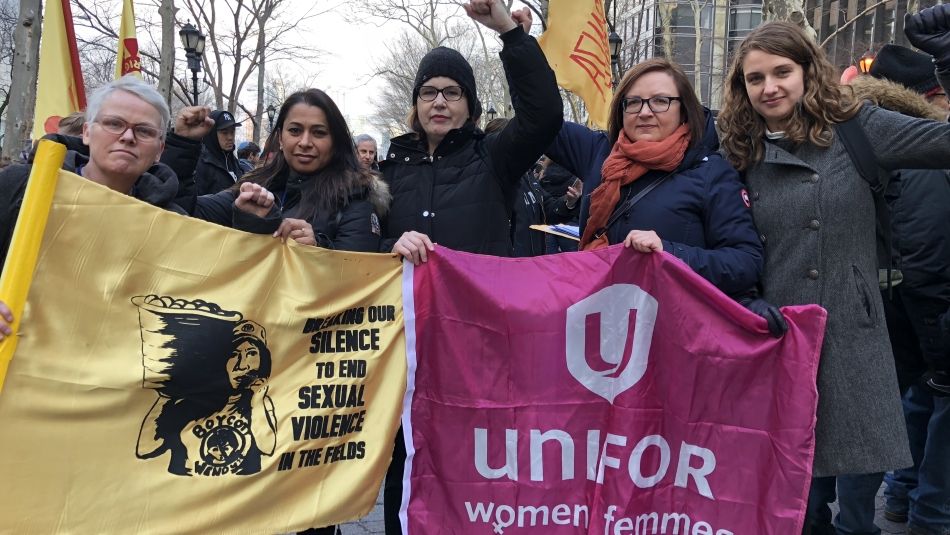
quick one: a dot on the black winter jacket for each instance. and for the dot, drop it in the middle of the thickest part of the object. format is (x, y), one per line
(461, 196)
(158, 186)
(217, 169)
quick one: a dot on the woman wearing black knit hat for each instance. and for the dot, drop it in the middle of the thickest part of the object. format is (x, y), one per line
(451, 183)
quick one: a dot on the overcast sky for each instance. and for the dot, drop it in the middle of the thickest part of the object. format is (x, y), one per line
(346, 72)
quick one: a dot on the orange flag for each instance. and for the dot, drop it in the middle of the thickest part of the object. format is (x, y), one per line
(575, 44)
(59, 86)
(127, 61)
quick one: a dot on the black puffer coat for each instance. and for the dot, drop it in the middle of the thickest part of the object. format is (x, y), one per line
(461, 196)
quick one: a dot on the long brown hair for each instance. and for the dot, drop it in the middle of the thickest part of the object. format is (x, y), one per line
(824, 103)
(334, 184)
(692, 110)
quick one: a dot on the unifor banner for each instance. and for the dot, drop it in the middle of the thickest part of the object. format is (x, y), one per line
(174, 376)
(609, 392)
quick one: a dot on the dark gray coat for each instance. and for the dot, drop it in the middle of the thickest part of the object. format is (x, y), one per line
(817, 221)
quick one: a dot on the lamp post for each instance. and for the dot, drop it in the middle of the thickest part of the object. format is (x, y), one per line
(615, 42)
(492, 113)
(271, 110)
(866, 61)
(194, 43)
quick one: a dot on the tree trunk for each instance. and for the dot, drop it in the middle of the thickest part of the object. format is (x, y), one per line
(789, 10)
(26, 53)
(167, 67)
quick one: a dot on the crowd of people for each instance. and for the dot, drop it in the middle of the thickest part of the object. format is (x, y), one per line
(768, 202)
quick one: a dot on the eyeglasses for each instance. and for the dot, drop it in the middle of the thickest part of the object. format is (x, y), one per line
(116, 126)
(656, 104)
(452, 92)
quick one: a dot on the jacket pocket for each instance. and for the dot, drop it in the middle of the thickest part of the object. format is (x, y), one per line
(865, 301)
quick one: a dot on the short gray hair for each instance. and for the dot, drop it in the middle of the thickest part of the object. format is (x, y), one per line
(364, 137)
(130, 84)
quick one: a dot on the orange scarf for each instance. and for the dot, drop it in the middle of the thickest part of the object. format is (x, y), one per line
(628, 161)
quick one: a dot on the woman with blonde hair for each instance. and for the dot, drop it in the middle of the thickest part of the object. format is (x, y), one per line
(816, 214)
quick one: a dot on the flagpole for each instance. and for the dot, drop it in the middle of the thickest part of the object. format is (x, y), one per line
(27, 237)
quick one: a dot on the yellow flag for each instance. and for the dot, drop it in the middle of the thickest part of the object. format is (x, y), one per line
(576, 47)
(59, 86)
(127, 59)
(174, 376)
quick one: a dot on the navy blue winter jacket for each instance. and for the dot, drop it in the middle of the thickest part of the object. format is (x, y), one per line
(701, 212)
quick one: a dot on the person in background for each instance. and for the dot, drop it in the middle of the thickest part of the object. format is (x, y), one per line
(816, 214)
(218, 168)
(71, 125)
(558, 182)
(534, 206)
(249, 155)
(366, 151)
(903, 80)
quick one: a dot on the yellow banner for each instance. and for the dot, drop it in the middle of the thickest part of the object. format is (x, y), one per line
(127, 60)
(576, 47)
(59, 86)
(174, 376)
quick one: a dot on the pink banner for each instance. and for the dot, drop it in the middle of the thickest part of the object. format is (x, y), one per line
(604, 393)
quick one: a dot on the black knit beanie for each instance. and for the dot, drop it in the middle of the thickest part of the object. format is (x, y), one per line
(902, 65)
(442, 61)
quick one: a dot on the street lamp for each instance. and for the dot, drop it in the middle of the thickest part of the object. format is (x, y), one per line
(194, 43)
(491, 113)
(615, 42)
(271, 110)
(866, 61)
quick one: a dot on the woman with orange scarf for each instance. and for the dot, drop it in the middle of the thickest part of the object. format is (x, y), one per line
(657, 183)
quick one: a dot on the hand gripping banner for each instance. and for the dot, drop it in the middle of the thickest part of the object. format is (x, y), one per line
(609, 392)
(174, 376)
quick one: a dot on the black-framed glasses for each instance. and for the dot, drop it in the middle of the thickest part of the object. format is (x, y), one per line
(656, 104)
(452, 92)
(117, 126)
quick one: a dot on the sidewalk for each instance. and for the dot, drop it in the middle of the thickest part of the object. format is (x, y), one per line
(373, 522)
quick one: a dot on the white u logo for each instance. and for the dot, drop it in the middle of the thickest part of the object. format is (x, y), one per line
(614, 357)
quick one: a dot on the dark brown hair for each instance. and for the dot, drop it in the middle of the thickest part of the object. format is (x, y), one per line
(334, 184)
(692, 110)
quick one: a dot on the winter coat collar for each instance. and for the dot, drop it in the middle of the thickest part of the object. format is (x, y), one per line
(158, 186)
(411, 148)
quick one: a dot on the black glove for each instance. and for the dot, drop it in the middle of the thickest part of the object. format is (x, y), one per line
(770, 312)
(929, 31)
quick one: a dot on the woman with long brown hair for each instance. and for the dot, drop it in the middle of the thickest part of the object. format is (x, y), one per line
(780, 127)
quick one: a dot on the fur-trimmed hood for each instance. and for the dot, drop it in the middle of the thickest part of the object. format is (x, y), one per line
(895, 97)
(379, 195)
